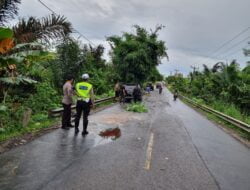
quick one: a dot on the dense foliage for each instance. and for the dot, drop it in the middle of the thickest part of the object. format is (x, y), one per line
(74, 60)
(32, 71)
(224, 87)
(136, 56)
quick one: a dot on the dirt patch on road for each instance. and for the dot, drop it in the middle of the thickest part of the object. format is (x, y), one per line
(118, 118)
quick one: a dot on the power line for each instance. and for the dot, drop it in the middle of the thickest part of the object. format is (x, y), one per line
(227, 42)
(53, 12)
(238, 43)
(234, 52)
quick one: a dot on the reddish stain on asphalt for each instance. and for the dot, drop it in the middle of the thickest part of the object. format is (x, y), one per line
(113, 133)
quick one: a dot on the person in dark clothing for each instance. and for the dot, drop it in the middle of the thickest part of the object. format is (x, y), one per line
(159, 86)
(67, 102)
(137, 94)
(117, 90)
(175, 95)
(160, 89)
(122, 94)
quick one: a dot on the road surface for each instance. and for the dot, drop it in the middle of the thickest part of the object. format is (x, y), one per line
(170, 147)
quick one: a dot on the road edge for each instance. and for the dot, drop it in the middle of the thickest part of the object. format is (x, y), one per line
(15, 142)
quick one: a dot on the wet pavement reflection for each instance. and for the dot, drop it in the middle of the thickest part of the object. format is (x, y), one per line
(35, 164)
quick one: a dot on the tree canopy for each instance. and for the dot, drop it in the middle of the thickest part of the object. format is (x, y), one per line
(136, 56)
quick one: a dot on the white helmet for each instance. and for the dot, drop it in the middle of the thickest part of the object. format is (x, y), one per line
(85, 76)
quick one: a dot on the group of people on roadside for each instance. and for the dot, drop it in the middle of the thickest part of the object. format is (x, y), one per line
(84, 92)
(121, 93)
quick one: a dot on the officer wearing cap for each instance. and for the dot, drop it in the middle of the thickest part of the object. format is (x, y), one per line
(85, 100)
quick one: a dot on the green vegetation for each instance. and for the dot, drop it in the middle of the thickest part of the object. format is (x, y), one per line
(224, 87)
(33, 70)
(137, 107)
(37, 122)
(135, 56)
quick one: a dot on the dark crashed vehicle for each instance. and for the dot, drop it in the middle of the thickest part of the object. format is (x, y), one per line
(132, 92)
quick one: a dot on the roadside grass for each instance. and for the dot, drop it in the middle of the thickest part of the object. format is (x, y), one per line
(137, 107)
(230, 110)
(111, 93)
(37, 123)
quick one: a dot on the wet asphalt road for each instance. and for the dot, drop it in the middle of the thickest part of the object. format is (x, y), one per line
(171, 147)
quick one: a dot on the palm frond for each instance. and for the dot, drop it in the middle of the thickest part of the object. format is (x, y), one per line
(47, 28)
(17, 80)
(206, 70)
(26, 47)
(8, 10)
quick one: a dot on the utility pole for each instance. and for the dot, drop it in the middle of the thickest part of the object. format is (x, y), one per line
(176, 71)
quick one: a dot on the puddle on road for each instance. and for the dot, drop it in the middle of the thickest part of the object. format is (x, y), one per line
(113, 133)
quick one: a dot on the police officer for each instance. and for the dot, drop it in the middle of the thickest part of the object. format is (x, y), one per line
(66, 102)
(85, 100)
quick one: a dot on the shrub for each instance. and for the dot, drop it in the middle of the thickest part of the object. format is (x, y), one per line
(137, 107)
(44, 99)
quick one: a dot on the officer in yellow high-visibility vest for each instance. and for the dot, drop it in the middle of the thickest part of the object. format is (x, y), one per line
(85, 101)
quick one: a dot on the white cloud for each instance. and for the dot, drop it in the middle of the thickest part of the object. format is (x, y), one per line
(193, 27)
(182, 61)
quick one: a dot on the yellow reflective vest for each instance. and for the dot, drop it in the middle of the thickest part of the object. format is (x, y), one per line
(83, 90)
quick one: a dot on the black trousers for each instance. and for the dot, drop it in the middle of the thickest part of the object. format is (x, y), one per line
(82, 106)
(66, 117)
(160, 90)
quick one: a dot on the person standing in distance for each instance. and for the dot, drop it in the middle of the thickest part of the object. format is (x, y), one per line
(67, 102)
(85, 100)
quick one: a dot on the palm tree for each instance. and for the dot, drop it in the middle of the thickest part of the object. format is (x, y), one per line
(8, 10)
(45, 29)
(218, 66)
(25, 33)
(206, 70)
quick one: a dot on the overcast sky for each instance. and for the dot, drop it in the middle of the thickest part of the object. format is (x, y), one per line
(194, 28)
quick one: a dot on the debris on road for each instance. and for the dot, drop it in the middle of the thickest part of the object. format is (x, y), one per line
(114, 133)
(137, 107)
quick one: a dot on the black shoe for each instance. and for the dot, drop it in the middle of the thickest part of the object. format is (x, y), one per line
(65, 128)
(71, 126)
(76, 130)
(85, 132)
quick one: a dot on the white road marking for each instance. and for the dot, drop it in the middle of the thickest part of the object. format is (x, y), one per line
(149, 152)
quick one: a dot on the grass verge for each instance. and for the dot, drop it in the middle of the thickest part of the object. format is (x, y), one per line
(38, 123)
(32, 128)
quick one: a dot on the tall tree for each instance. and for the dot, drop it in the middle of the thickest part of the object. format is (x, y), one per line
(135, 56)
